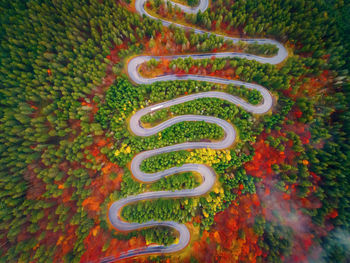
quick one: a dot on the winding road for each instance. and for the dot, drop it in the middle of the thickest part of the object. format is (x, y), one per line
(208, 175)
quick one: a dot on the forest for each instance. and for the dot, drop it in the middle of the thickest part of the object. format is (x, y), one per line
(282, 190)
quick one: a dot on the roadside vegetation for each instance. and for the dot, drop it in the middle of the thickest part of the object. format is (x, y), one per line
(282, 190)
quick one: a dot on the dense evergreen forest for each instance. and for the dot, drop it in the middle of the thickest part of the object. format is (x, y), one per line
(283, 190)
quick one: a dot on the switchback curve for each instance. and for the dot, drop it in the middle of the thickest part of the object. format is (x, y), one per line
(208, 175)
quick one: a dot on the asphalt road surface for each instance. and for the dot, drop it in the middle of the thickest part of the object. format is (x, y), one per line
(208, 175)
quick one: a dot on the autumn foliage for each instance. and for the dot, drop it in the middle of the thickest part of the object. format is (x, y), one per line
(232, 238)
